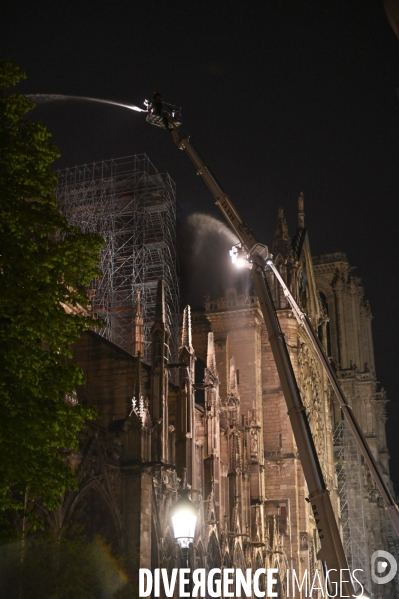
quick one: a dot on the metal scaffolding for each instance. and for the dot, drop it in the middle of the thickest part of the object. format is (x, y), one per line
(133, 207)
(348, 467)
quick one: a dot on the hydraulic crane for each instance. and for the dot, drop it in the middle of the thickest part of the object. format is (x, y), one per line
(260, 260)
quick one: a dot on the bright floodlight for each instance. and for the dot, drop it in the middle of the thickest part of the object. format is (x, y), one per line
(184, 521)
(239, 257)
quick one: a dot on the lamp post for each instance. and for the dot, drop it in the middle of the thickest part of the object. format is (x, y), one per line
(184, 521)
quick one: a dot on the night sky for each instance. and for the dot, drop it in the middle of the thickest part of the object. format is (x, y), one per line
(280, 96)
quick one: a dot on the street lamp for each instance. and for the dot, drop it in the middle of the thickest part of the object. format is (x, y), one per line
(184, 521)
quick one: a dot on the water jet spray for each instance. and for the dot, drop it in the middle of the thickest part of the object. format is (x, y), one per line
(43, 98)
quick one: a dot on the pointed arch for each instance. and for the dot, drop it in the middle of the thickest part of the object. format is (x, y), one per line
(226, 560)
(238, 557)
(199, 554)
(214, 557)
(93, 509)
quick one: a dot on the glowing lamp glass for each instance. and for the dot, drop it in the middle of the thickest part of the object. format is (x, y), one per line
(184, 521)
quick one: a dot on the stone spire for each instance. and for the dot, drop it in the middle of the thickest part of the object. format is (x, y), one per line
(159, 380)
(212, 425)
(139, 381)
(185, 406)
(210, 358)
(186, 336)
(138, 329)
(281, 242)
(233, 378)
(301, 211)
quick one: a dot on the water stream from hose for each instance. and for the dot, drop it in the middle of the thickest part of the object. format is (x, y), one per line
(43, 98)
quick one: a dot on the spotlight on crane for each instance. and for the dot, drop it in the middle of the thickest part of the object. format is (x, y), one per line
(239, 257)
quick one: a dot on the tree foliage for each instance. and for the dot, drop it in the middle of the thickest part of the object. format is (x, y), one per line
(44, 265)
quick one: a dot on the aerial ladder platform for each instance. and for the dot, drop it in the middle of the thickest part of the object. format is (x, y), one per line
(259, 260)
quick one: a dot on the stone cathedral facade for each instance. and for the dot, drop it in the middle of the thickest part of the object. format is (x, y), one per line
(221, 430)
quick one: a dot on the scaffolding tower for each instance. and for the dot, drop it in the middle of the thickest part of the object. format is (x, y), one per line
(133, 207)
(348, 467)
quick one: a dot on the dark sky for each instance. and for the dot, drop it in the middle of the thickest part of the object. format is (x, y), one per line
(279, 96)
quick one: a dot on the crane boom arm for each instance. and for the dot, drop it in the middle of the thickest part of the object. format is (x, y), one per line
(331, 544)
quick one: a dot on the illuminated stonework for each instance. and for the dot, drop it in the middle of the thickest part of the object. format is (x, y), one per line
(223, 433)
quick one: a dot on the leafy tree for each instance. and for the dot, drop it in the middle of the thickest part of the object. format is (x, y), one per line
(44, 265)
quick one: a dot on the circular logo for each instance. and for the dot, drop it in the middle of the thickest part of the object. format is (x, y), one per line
(383, 567)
